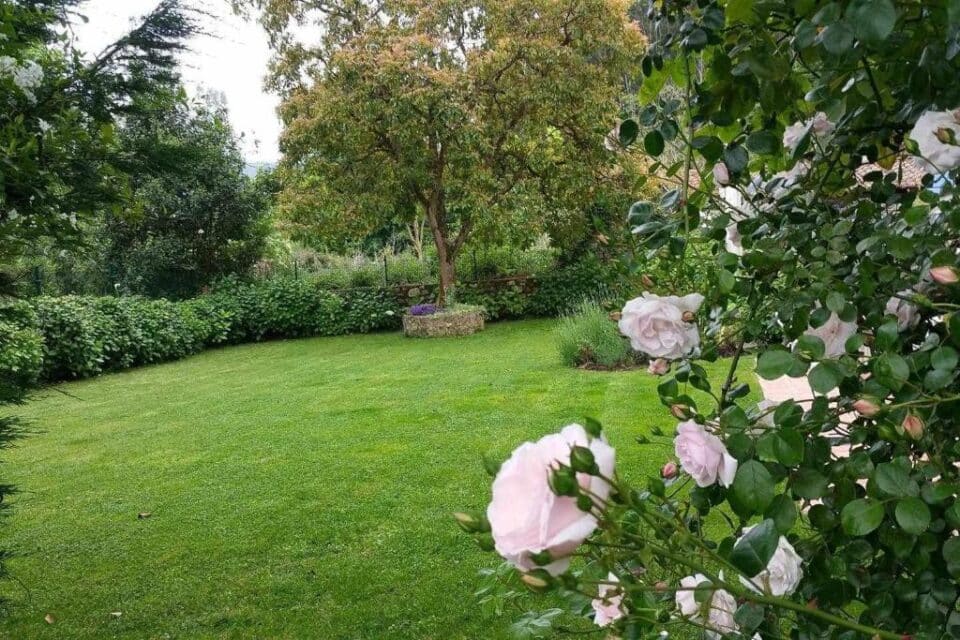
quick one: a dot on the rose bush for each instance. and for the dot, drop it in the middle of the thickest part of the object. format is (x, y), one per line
(831, 515)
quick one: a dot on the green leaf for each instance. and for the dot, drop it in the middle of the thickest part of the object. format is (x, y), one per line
(862, 516)
(951, 553)
(895, 481)
(736, 158)
(653, 143)
(753, 551)
(783, 512)
(752, 490)
(913, 515)
(944, 358)
(837, 38)
(891, 370)
(808, 484)
(825, 377)
(774, 363)
(873, 20)
(628, 131)
(836, 302)
(763, 143)
(811, 346)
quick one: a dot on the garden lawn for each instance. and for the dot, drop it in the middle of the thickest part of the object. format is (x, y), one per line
(298, 489)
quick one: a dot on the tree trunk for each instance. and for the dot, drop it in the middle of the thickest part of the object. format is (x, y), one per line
(446, 253)
(448, 278)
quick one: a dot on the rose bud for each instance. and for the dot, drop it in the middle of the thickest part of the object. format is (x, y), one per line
(721, 174)
(689, 316)
(538, 581)
(945, 135)
(659, 367)
(669, 471)
(913, 425)
(680, 411)
(647, 281)
(944, 275)
(582, 460)
(866, 407)
(472, 523)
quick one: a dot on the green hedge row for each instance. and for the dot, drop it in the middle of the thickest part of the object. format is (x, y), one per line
(49, 339)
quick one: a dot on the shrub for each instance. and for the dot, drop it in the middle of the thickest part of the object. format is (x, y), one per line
(71, 344)
(21, 355)
(588, 336)
(558, 292)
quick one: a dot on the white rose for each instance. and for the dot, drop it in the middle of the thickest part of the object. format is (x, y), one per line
(527, 518)
(719, 608)
(783, 573)
(938, 155)
(819, 126)
(834, 333)
(733, 241)
(656, 325)
(608, 605)
(703, 455)
(906, 312)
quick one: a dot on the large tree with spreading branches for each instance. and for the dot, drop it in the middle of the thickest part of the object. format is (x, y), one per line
(462, 109)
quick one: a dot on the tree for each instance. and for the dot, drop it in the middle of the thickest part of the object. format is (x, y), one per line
(194, 216)
(461, 110)
(823, 137)
(56, 130)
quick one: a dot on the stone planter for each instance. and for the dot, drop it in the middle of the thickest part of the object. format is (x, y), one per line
(443, 324)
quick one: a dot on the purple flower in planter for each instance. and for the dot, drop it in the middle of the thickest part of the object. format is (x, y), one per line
(423, 309)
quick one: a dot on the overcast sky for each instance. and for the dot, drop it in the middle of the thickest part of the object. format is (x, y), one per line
(232, 59)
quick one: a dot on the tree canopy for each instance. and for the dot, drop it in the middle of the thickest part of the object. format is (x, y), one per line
(466, 111)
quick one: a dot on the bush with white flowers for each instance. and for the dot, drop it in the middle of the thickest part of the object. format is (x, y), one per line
(823, 136)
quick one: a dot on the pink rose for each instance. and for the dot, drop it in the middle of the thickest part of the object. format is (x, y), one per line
(608, 605)
(669, 471)
(944, 275)
(905, 312)
(527, 518)
(659, 367)
(834, 333)
(703, 455)
(656, 325)
(715, 614)
(721, 175)
(819, 126)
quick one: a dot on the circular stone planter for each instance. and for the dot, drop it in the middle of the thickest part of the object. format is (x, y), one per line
(442, 324)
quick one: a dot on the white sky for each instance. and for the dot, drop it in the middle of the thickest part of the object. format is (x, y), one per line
(233, 59)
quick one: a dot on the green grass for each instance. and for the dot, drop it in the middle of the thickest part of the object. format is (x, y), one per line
(298, 489)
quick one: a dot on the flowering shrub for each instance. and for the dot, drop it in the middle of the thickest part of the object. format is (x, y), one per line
(423, 309)
(824, 135)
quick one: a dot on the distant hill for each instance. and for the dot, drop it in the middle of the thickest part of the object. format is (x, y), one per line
(253, 168)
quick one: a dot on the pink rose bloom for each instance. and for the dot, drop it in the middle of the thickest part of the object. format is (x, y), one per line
(820, 127)
(834, 333)
(703, 455)
(905, 312)
(783, 573)
(608, 606)
(721, 174)
(719, 609)
(944, 275)
(659, 367)
(656, 327)
(527, 518)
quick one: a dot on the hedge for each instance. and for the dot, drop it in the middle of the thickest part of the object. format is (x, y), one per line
(68, 337)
